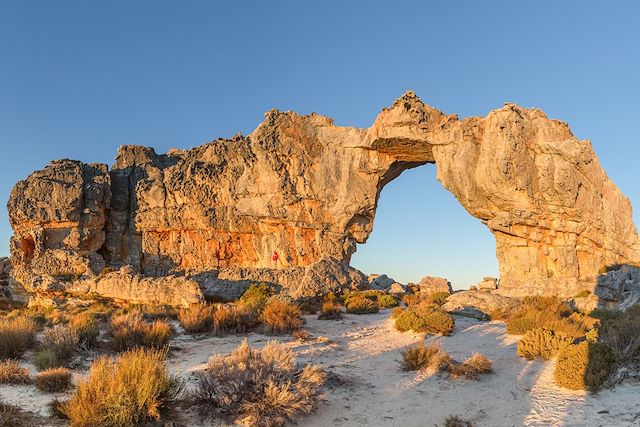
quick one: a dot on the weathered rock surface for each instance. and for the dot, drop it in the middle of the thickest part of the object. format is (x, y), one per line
(431, 285)
(308, 189)
(487, 284)
(619, 287)
(479, 304)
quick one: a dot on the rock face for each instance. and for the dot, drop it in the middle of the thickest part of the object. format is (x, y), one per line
(307, 189)
(431, 285)
(478, 304)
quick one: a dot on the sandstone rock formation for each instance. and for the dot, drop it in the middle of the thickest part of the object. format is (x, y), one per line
(308, 189)
(431, 285)
(479, 304)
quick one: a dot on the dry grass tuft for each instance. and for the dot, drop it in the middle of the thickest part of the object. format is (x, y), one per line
(432, 357)
(280, 317)
(258, 387)
(131, 331)
(331, 308)
(56, 408)
(471, 368)
(53, 380)
(87, 327)
(129, 390)
(455, 421)
(12, 373)
(230, 319)
(12, 416)
(197, 318)
(16, 335)
(61, 339)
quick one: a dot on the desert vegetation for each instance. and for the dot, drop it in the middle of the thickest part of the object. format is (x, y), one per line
(16, 335)
(53, 380)
(258, 387)
(331, 308)
(127, 390)
(424, 317)
(132, 330)
(12, 373)
(367, 302)
(432, 357)
(280, 317)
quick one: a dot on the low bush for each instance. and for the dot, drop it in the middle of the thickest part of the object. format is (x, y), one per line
(584, 365)
(472, 367)
(396, 312)
(438, 298)
(361, 305)
(331, 308)
(529, 318)
(61, 339)
(53, 380)
(455, 421)
(12, 373)
(197, 318)
(411, 299)
(256, 296)
(424, 356)
(125, 391)
(621, 333)
(387, 301)
(258, 387)
(87, 327)
(229, 319)
(47, 359)
(56, 408)
(131, 330)
(280, 317)
(16, 335)
(425, 318)
(13, 416)
(541, 342)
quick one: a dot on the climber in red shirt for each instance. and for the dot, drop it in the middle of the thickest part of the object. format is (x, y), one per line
(275, 258)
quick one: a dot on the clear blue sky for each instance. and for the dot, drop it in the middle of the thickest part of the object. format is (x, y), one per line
(80, 78)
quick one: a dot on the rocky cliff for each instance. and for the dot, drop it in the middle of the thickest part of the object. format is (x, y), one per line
(307, 189)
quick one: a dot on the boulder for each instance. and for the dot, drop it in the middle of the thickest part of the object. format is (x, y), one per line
(487, 284)
(398, 289)
(476, 302)
(431, 285)
(380, 282)
(619, 287)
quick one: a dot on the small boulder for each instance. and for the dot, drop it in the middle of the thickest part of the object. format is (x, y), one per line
(487, 284)
(398, 289)
(380, 282)
(468, 302)
(431, 285)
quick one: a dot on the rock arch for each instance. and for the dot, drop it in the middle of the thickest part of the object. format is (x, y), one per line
(309, 189)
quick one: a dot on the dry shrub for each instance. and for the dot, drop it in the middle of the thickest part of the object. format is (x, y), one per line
(53, 380)
(56, 408)
(541, 342)
(125, 391)
(424, 356)
(280, 317)
(197, 318)
(16, 335)
(411, 299)
(228, 319)
(380, 298)
(455, 421)
(256, 296)
(131, 330)
(583, 294)
(331, 308)
(12, 373)
(425, 317)
(360, 304)
(12, 416)
(61, 339)
(396, 312)
(301, 335)
(258, 387)
(472, 367)
(584, 365)
(87, 327)
(46, 359)
(621, 333)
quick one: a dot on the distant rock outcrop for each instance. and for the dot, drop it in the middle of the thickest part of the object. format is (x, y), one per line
(308, 190)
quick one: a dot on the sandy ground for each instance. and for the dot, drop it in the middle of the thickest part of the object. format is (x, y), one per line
(363, 351)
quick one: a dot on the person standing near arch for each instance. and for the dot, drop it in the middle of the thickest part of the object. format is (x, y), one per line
(275, 257)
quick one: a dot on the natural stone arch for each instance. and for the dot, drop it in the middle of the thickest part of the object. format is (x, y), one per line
(309, 189)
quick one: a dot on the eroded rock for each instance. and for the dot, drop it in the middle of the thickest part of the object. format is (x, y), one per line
(479, 304)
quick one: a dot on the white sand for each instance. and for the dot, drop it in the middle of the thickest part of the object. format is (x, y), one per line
(364, 352)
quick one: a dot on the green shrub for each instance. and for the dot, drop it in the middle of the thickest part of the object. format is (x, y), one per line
(541, 342)
(387, 301)
(256, 296)
(258, 387)
(331, 308)
(16, 335)
(423, 318)
(12, 373)
(361, 305)
(438, 298)
(556, 319)
(47, 359)
(584, 365)
(53, 380)
(129, 390)
(280, 317)
(604, 314)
